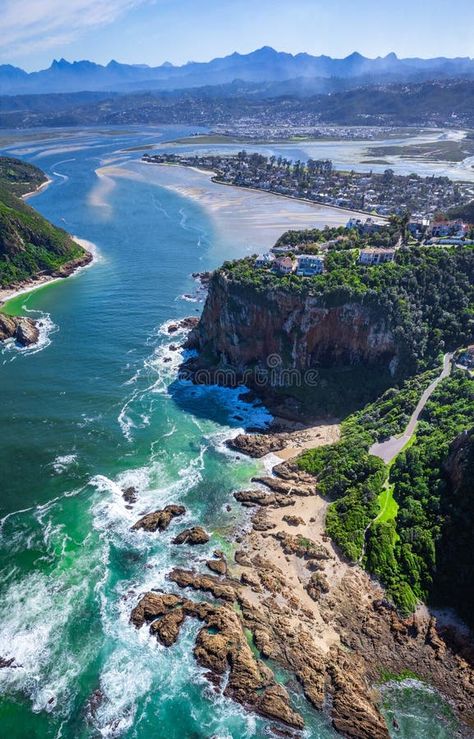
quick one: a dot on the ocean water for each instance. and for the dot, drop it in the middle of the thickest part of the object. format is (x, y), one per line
(94, 408)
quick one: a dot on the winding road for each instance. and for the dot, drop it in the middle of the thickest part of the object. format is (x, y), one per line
(388, 450)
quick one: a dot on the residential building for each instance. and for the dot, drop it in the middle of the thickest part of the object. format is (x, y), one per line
(264, 260)
(309, 265)
(376, 256)
(283, 265)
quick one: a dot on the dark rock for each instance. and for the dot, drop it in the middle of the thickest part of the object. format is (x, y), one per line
(153, 605)
(195, 535)
(159, 520)
(130, 495)
(256, 445)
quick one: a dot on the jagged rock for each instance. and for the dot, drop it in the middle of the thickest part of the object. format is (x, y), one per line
(204, 583)
(252, 498)
(241, 558)
(317, 585)
(251, 579)
(185, 323)
(130, 495)
(167, 628)
(23, 330)
(260, 522)
(274, 704)
(195, 535)
(153, 605)
(159, 520)
(7, 662)
(257, 445)
(293, 520)
(301, 546)
(286, 487)
(217, 565)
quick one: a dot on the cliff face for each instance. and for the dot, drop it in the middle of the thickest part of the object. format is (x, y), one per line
(244, 328)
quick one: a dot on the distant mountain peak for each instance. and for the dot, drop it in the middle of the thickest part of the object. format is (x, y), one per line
(265, 65)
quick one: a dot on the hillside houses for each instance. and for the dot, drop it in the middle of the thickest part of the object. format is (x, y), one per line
(376, 255)
(377, 193)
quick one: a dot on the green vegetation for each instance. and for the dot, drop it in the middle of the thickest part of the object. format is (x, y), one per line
(409, 523)
(349, 476)
(426, 296)
(29, 244)
(432, 509)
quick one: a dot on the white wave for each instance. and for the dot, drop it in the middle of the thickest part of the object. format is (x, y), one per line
(64, 462)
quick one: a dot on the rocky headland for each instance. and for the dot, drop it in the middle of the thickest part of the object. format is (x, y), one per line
(290, 598)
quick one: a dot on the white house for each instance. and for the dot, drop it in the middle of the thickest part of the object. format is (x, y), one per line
(376, 255)
(264, 260)
(309, 264)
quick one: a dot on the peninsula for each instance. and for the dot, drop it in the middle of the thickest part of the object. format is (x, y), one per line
(32, 250)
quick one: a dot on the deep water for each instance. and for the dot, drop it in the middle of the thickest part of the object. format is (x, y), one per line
(96, 408)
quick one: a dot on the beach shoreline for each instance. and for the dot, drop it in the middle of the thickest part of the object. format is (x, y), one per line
(76, 266)
(37, 190)
(306, 201)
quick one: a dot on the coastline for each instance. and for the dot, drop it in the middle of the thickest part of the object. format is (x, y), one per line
(70, 269)
(214, 178)
(326, 619)
(39, 189)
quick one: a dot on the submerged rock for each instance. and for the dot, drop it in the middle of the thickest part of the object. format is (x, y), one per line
(159, 520)
(130, 495)
(195, 535)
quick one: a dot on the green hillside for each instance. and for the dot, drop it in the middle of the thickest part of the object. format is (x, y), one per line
(29, 244)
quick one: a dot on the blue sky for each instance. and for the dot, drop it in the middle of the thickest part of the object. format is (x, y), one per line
(33, 32)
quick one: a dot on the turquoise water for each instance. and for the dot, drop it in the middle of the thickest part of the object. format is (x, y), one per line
(96, 408)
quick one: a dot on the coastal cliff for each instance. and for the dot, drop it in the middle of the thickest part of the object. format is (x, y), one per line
(333, 342)
(244, 328)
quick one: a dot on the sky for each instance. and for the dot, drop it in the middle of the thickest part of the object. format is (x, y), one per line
(33, 32)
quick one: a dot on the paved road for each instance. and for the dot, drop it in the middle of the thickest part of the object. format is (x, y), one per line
(388, 450)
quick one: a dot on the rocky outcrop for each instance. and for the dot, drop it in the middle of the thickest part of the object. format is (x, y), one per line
(257, 445)
(66, 270)
(23, 330)
(219, 564)
(159, 520)
(245, 328)
(251, 498)
(183, 324)
(130, 495)
(193, 536)
(221, 647)
(204, 583)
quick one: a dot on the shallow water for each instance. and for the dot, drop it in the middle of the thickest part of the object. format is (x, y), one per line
(96, 408)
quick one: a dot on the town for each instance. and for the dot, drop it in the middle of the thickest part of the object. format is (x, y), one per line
(304, 253)
(317, 181)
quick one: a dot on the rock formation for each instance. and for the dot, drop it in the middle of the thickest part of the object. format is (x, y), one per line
(23, 330)
(159, 520)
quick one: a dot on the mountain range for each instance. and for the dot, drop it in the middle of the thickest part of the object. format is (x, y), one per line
(307, 73)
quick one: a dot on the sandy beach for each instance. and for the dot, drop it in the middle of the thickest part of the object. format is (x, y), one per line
(42, 280)
(37, 190)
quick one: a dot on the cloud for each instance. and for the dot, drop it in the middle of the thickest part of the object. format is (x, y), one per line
(27, 26)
